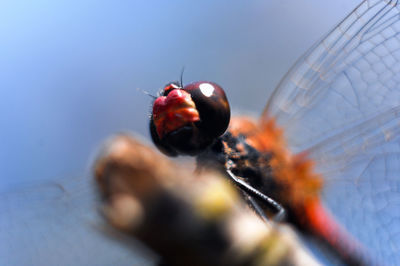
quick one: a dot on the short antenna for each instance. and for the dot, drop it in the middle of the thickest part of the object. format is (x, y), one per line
(147, 93)
(183, 69)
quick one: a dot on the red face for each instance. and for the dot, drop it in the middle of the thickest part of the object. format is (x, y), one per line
(174, 111)
(187, 120)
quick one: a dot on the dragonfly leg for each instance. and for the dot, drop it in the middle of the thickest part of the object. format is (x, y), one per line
(257, 209)
(254, 193)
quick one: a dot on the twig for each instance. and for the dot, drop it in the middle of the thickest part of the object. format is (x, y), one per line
(187, 219)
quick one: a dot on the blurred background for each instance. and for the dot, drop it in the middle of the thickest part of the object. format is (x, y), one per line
(69, 73)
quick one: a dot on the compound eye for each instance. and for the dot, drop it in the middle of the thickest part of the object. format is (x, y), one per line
(162, 145)
(212, 105)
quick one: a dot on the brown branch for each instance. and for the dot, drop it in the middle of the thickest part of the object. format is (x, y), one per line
(187, 219)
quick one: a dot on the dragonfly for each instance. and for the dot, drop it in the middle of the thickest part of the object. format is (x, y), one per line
(337, 105)
(350, 79)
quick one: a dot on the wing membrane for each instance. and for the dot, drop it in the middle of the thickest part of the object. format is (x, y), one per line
(54, 224)
(350, 75)
(367, 201)
(340, 103)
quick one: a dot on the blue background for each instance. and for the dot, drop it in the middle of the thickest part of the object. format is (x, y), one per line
(69, 73)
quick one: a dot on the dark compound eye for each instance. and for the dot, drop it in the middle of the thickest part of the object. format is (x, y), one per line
(186, 121)
(212, 105)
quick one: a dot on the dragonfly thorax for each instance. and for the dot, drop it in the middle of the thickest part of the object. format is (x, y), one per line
(244, 161)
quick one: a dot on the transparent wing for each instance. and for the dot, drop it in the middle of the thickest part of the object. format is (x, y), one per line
(340, 103)
(54, 224)
(350, 75)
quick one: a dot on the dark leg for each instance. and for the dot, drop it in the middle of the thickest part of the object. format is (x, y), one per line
(256, 194)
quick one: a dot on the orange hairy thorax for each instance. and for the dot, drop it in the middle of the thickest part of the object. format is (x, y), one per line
(300, 186)
(293, 172)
